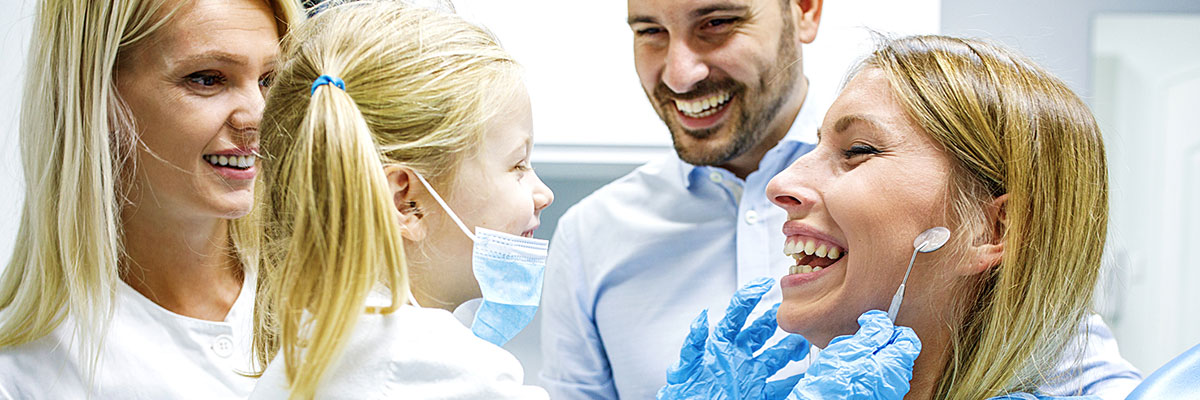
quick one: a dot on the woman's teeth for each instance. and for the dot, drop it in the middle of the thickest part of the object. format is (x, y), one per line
(800, 249)
(802, 269)
(241, 162)
(703, 107)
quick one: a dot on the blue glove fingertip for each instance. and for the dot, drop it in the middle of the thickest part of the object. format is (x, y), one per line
(876, 317)
(762, 281)
(701, 320)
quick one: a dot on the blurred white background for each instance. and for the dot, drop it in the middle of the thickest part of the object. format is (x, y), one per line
(1136, 63)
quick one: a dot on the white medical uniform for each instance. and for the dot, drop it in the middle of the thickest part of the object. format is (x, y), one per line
(412, 353)
(149, 353)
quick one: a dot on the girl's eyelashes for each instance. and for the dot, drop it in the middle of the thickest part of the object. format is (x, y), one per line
(859, 150)
(523, 166)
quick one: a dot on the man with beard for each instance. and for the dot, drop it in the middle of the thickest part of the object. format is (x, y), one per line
(632, 264)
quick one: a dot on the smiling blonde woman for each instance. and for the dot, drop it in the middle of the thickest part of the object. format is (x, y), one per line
(132, 275)
(943, 131)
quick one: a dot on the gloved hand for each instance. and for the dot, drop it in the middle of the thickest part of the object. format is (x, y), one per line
(874, 363)
(722, 365)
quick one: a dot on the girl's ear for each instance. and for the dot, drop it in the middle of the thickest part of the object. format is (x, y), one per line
(403, 183)
(988, 250)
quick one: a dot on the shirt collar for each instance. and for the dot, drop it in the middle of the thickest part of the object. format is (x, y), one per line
(803, 130)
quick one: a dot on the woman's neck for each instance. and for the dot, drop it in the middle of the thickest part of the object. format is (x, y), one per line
(931, 363)
(185, 265)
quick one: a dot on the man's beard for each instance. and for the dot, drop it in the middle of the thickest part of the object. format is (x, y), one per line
(754, 113)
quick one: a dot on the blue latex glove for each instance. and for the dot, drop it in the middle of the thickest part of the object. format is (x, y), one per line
(721, 364)
(874, 363)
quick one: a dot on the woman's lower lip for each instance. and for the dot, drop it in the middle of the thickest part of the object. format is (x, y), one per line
(235, 174)
(793, 280)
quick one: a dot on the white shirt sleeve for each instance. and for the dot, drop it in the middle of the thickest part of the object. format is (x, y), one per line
(575, 364)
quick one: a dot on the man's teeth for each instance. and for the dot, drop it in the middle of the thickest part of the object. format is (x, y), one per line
(230, 161)
(703, 107)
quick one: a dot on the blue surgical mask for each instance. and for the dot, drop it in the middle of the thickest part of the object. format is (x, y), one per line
(509, 269)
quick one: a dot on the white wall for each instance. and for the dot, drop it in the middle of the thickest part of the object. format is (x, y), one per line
(1146, 94)
(579, 59)
(15, 26)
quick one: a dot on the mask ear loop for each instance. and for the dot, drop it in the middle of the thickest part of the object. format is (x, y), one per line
(446, 207)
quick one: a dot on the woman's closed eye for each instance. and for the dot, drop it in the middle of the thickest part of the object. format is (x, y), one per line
(860, 150)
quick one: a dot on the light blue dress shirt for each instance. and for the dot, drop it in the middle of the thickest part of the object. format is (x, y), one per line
(632, 264)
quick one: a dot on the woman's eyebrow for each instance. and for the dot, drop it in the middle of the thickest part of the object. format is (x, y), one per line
(219, 56)
(845, 121)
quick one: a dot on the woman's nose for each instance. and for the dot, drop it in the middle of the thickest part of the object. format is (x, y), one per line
(250, 104)
(790, 191)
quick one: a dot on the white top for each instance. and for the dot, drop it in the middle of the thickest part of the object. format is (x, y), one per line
(149, 353)
(412, 353)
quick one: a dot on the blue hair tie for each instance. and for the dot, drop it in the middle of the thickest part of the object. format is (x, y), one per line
(325, 80)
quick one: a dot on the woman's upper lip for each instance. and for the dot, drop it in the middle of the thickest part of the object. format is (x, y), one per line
(240, 151)
(797, 228)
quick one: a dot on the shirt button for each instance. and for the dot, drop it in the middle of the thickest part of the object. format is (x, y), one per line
(715, 176)
(751, 217)
(223, 346)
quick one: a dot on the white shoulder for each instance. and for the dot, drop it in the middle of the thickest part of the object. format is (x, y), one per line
(46, 367)
(424, 353)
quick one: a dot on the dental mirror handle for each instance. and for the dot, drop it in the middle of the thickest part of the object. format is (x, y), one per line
(896, 300)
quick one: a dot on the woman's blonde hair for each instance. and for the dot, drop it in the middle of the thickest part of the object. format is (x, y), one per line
(1011, 128)
(420, 86)
(77, 140)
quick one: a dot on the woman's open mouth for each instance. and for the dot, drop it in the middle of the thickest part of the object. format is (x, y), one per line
(811, 255)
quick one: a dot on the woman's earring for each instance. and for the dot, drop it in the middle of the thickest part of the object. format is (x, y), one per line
(413, 209)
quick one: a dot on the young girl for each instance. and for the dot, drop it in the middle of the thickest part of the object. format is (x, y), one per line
(377, 109)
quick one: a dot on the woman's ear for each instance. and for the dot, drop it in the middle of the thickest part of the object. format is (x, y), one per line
(988, 250)
(404, 186)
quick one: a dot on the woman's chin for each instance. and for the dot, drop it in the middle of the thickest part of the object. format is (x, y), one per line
(818, 325)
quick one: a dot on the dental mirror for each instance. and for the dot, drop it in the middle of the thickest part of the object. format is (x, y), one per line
(927, 242)
(931, 240)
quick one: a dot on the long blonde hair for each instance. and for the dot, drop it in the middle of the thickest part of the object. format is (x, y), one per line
(420, 86)
(77, 138)
(1012, 128)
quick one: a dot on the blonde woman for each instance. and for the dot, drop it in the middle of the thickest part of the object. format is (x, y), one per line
(379, 107)
(935, 131)
(132, 275)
